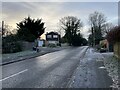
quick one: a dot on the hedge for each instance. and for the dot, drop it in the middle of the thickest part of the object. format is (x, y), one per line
(114, 35)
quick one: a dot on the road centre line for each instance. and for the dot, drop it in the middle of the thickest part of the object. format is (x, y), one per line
(14, 75)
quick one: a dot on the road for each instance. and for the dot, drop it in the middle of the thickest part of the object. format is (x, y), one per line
(53, 70)
(75, 67)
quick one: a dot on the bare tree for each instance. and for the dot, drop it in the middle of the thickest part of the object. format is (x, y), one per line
(6, 30)
(96, 21)
(106, 28)
(72, 26)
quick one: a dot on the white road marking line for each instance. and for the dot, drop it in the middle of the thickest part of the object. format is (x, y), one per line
(14, 75)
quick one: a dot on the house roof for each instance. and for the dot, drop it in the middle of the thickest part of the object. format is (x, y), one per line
(55, 33)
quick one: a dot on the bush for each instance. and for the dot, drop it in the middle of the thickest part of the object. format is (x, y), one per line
(10, 44)
(58, 44)
(98, 47)
(51, 45)
(114, 35)
(43, 45)
(11, 47)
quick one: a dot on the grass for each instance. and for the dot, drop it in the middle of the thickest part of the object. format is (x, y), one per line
(18, 54)
(112, 65)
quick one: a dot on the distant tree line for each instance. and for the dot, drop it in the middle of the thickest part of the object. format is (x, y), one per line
(30, 29)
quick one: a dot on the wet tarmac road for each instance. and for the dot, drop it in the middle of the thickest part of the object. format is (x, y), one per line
(53, 70)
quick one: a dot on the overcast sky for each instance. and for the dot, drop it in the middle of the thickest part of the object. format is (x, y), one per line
(52, 12)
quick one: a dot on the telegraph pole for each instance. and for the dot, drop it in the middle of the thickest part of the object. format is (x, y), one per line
(92, 37)
(2, 28)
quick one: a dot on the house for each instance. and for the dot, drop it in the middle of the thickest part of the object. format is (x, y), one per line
(53, 38)
(107, 45)
(104, 43)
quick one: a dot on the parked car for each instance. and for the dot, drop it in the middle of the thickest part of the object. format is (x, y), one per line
(103, 50)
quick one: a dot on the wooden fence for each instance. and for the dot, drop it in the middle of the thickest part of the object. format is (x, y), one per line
(27, 45)
(117, 49)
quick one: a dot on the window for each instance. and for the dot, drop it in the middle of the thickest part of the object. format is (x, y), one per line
(49, 36)
(55, 36)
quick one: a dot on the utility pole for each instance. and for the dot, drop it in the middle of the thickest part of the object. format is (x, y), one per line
(92, 37)
(2, 28)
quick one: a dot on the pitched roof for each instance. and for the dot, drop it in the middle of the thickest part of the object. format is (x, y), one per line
(52, 33)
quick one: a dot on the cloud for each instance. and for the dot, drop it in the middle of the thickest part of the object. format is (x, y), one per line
(15, 12)
(61, 1)
(51, 12)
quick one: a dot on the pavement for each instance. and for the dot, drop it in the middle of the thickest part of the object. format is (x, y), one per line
(91, 72)
(24, 55)
(74, 67)
(112, 65)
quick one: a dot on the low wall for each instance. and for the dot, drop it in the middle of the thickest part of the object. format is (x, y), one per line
(117, 49)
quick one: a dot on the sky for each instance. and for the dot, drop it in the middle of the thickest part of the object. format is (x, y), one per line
(52, 12)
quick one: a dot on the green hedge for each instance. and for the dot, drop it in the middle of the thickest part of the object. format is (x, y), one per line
(114, 35)
(51, 45)
(10, 44)
(11, 47)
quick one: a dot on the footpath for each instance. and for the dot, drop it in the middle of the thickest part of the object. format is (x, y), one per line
(96, 70)
(19, 56)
